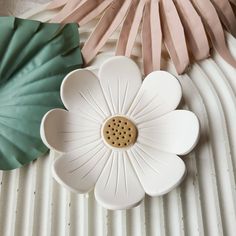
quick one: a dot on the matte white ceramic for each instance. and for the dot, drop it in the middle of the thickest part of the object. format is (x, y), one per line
(120, 176)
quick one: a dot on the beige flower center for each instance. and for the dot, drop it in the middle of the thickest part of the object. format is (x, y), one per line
(119, 132)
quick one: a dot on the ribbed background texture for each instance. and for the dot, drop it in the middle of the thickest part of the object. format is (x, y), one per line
(32, 203)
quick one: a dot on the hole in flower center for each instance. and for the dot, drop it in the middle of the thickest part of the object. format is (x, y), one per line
(119, 132)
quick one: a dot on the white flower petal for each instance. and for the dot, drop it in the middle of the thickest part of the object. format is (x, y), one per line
(120, 79)
(176, 132)
(79, 171)
(65, 131)
(160, 93)
(118, 186)
(158, 172)
(81, 90)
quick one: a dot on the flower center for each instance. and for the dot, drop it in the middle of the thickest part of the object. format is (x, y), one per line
(119, 132)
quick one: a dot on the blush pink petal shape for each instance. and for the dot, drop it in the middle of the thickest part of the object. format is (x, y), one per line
(181, 25)
(195, 33)
(151, 36)
(109, 22)
(214, 28)
(56, 4)
(173, 35)
(130, 28)
(226, 15)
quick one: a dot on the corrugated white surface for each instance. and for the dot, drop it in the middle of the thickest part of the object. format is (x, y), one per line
(32, 203)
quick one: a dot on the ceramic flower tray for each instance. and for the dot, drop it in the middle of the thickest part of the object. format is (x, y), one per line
(34, 58)
(119, 135)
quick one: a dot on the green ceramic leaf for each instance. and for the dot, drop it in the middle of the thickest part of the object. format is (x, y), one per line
(34, 58)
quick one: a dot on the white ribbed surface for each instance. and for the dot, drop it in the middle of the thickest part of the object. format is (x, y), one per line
(32, 203)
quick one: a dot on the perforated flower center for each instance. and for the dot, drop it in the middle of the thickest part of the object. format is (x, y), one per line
(119, 132)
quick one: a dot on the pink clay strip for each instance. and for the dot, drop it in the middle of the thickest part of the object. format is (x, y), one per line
(109, 22)
(233, 1)
(173, 34)
(151, 37)
(156, 34)
(56, 4)
(226, 15)
(146, 41)
(125, 30)
(69, 7)
(94, 13)
(130, 28)
(85, 11)
(194, 29)
(214, 29)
